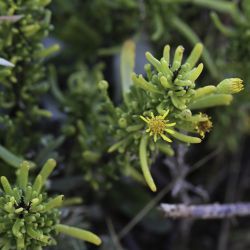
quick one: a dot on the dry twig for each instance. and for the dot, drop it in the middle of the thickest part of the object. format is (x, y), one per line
(210, 211)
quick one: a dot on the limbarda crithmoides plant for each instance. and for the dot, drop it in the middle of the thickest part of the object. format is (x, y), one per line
(29, 218)
(163, 107)
(108, 138)
(155, 111)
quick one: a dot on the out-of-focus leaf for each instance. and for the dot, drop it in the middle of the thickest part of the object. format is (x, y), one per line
(127, 64)
(48, 150)
(6, 63)
(136, 199)
(9, 157)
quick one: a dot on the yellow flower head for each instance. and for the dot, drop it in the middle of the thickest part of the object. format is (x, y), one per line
(158, 126)
(204, 126)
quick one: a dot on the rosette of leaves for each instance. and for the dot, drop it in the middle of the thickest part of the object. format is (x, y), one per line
(23, 26)
(163, 105)
(30, 219)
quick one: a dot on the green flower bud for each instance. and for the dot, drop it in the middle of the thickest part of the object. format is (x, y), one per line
(177, 58)
(230, 86)
(166, 54)
(122, 122)
(103, 85)
(195, 55)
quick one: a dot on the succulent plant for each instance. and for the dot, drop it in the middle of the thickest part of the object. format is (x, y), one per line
(24, 25)
(30, 219)
(163, 104)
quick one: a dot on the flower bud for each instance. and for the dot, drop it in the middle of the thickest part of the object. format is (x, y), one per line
(103, 85)
(230, 86)
(122, 122)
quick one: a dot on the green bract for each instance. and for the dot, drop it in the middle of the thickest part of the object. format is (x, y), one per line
(29, 219)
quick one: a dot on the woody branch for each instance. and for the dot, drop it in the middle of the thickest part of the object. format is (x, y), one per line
(210, 211)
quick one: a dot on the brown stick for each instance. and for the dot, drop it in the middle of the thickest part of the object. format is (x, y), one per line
(210, 211)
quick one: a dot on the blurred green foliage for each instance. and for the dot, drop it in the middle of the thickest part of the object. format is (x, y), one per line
(69, 107)
(24, 84)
